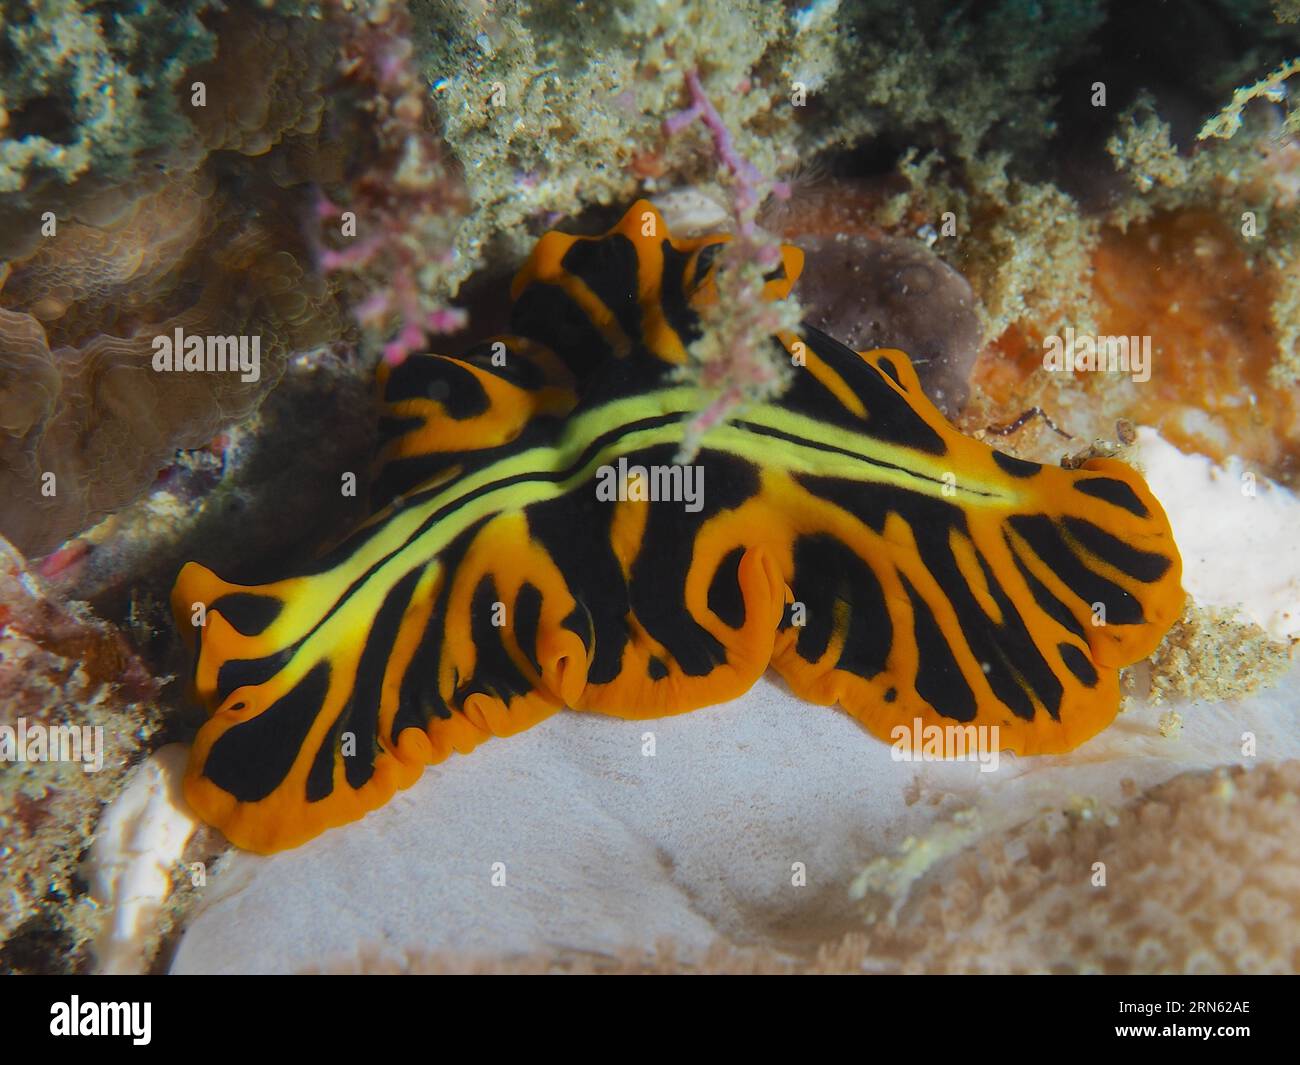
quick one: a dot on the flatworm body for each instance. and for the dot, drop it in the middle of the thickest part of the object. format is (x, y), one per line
(846, 535)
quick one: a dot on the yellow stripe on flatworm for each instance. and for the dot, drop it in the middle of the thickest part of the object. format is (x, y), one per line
(627, 528)
(509, 409)
(409, 634)
(963, 551)
(869, 460)
(827, 377)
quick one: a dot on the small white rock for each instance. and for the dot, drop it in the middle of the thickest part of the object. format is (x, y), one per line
(140, 837)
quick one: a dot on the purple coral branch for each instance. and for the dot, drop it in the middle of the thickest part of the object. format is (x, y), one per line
(745, 371)
(357, 255)
(405, 195)
(750, 184)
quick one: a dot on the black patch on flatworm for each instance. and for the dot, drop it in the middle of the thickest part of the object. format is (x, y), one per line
(1042, 536)
(361, 715)
(249, 672)
(464, 395)
(939, 679)
(657, 581)
(420, 698)
(890, 417)
(528, 614)
(887, 367)
(609, 267)
(1005, 648)
(1115, 492)
(1078, 663)
(249, 614)
(495, 672)
(870, 633)
(673, 295)
(725, 598)
(1145, 566)
(1018, 662)
(251, 759)
(816, 590)
(1047, 602)
(547, 314)
(419, 701)
(391, 428)
(829, 578)
(516, 367)
(1014, 466)
(575, 530)
(445, 382)
(578, 622)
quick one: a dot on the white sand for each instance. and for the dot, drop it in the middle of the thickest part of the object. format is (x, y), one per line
(604, 847)
(1238, 533)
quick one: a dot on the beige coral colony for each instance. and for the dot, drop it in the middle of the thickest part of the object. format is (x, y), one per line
(651, 487)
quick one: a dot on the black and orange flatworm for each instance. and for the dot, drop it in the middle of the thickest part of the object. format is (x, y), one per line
(934, 577)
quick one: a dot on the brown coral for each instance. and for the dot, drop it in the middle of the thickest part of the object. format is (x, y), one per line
(219, 246)
(219, 239)
(95, 279)
(1201, 875)
(262, 85)
(102, 421)
(88, 120)
(1183, 279)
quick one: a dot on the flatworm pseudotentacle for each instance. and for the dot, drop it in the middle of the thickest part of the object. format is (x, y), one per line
(935, 578)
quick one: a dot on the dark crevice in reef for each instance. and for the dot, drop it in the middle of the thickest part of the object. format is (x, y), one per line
(43, 945)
